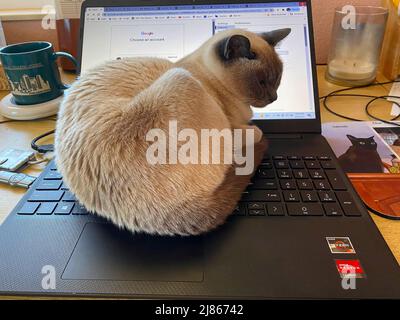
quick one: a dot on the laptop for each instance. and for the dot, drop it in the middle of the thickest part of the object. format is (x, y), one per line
(299, 232)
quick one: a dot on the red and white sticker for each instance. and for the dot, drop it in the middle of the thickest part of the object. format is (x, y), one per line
(350, 269)
(340, 245)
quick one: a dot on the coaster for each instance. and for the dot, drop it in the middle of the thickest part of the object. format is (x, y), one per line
(11, 110)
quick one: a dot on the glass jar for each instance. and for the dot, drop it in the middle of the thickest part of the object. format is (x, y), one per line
(356, 45)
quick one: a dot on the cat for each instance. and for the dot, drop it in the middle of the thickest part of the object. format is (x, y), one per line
(103, 121)
(362, 156)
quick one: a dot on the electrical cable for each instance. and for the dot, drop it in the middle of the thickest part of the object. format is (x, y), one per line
(40, 158)
(44, 147)
(367, 107)
(381, 214)
(339, 93)
(39, 148)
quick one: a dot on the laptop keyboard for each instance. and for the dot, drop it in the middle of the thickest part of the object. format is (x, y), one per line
(297, 186)
(282, 186)
(52, 197)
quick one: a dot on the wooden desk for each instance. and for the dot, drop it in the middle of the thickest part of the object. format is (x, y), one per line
(20, 134)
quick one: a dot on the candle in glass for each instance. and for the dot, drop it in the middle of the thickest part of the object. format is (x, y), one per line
(355, 50)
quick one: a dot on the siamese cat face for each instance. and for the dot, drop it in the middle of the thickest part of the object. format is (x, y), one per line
(253, 66)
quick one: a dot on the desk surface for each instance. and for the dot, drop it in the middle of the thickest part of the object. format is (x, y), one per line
(20, 134)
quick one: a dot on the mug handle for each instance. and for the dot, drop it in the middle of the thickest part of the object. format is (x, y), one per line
(69, 57)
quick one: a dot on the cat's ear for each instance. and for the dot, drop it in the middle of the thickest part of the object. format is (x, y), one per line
(275, 36)
(234, 47)
(352, 138)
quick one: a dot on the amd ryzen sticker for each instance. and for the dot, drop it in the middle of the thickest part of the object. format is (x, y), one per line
(340, 245)
(350, 269)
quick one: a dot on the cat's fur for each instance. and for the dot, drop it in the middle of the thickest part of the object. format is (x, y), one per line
(104, 119)
(362, 156)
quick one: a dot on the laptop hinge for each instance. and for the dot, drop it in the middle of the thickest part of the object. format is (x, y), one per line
(283, 136)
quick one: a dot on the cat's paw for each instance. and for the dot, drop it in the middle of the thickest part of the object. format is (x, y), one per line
(257, 134)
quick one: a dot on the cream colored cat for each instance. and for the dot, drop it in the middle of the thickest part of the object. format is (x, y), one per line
(104, 119)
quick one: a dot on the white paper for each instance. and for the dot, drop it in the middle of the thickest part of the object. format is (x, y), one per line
(395, 92)
(385, 135)
(68, 9)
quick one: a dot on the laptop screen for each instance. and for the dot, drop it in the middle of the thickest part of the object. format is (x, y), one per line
(172, 32)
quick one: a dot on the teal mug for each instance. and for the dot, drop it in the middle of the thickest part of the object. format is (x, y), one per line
(32, 71)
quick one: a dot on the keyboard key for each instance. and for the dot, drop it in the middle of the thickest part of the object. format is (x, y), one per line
(53, 175)
(313, 165)
(327, 196)
(309, 158)
(332, 210)
(296, 164)
(324, 158)
(284, 174)
(335, 180)
(276, 209)
(64, 186)
(255, 206)
(263, 196)
(294, 158)
(264, 184)
(265, 173)
(279, 157)
(240, 209)
(281, 164)
(79, 209)
(46, 196)
(266, 164)
(291, 196)
(52, 166)
(305, 185)
(305, 209)
(288, 185)
(28, 208)
(316, 174)
(327, 165)
(49, 185)
(68, 197)
(309, 196)
(257, 212)
(321, 185)
(348, 205)
(64, 208)
(300, 174)
(46, 208)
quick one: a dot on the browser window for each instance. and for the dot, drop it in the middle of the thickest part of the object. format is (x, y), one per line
(172, 32)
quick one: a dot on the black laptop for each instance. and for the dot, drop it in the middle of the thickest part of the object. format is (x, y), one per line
(300, 230)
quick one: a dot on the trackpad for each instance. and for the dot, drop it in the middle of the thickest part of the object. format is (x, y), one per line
(104, 252)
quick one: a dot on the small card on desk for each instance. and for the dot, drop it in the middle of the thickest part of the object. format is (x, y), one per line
(369, 152)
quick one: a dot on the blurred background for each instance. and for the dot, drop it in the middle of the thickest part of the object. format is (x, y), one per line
(22, 21)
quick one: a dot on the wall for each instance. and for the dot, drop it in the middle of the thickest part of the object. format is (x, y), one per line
(30, 30)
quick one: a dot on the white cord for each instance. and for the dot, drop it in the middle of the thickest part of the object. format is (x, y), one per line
(44, 158)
